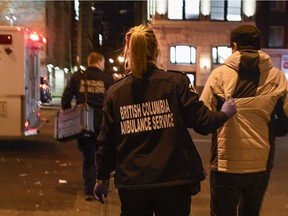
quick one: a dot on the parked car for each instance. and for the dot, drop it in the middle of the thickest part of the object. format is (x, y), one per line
(45, 91)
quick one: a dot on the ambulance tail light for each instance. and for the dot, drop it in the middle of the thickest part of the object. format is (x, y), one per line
(44, 40)
(34, 36)
(27, 125)
(37, 37)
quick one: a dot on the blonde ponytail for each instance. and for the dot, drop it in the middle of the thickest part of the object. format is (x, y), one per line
(141, 47)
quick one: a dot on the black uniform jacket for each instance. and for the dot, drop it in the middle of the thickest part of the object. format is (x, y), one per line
(144, 135)
(96, 82)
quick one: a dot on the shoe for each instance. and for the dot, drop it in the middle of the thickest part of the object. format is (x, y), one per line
(89, 197)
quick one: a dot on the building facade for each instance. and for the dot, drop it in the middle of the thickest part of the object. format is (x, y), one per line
(57, 62)
(272, 20)
(111, 22)
(30, 15)
(68, 27)
(194, 35)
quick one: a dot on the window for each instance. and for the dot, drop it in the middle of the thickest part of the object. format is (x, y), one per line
(234, 10)
(175, 9)
(220, 54)
(229, 10)
(192, 77)
(217, 10)
(183, 54)
(277, 5)
(276, 36)
(183, 9)
(192, 9)
(150, 9)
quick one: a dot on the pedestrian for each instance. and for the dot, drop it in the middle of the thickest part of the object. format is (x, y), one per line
(96, 82)
(243, 150)
(144, 135)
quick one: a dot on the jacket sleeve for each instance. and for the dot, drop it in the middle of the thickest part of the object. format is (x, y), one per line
(285, 100)
(196, 114)
(106, 153)
(207, 95)
(281, 118)
(68, 93)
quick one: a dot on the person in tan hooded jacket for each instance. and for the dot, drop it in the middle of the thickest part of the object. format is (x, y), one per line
(243, 149)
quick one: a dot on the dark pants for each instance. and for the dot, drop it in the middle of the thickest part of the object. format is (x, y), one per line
(242, 193)
(166, 201)
(88, 147)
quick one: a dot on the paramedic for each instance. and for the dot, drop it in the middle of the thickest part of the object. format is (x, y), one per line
(144, 135)
(97, 84)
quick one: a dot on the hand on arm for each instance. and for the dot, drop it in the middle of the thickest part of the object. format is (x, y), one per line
(229, 108)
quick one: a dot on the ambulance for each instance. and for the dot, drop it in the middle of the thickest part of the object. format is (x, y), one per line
(19, 81)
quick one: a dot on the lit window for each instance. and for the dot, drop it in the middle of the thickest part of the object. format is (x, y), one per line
(192, 9)
(183, 10)
(100, 37)
(76, 8)
(175, 9)
(150, 9)
(220, 54)
(276, 36)
(234, 10)
(229, 10)
(192, 77)
(183, 54)
(217, 10)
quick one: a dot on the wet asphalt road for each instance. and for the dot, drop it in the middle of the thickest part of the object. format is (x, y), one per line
(42, 177)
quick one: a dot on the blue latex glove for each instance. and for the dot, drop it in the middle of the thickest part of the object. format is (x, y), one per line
(101, 188)
(229, 108)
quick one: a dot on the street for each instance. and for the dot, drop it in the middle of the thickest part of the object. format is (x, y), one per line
(42, 177)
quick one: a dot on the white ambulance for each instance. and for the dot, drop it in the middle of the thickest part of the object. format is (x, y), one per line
(19, 81)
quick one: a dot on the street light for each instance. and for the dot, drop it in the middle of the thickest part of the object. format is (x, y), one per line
(10, 17)
(121, 59)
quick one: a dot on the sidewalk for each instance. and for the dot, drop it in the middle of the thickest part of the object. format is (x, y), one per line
(54, 104)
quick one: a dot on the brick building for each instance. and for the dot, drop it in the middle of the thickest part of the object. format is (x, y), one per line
(194, 35)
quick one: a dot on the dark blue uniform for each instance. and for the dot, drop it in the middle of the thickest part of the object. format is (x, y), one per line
(98, 83)
(144, 136)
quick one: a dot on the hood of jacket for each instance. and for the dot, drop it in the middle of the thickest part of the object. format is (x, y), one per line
(247, 60)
